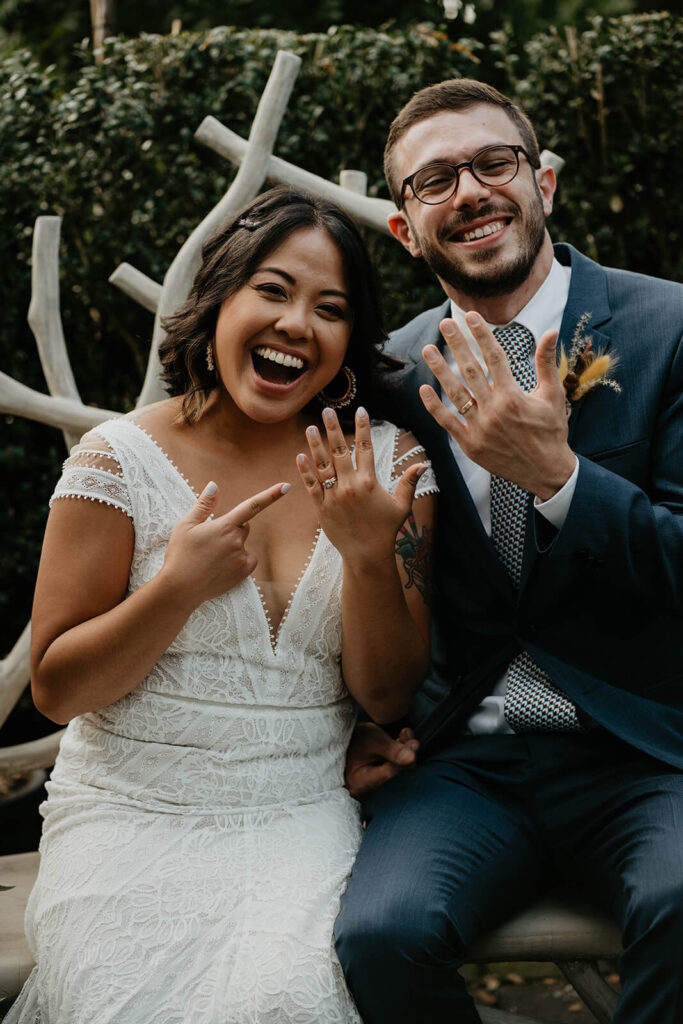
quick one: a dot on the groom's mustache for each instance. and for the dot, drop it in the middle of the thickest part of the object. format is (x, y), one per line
(462, 220)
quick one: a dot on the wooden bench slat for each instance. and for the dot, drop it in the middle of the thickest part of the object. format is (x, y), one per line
(16, 962)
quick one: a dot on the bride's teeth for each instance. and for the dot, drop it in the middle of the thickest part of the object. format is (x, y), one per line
(279, 357)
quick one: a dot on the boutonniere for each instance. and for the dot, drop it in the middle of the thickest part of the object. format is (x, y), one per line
(583, 367)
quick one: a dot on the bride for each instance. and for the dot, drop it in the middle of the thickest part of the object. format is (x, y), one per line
(204, 627)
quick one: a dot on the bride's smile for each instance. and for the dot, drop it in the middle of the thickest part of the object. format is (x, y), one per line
(283, 336)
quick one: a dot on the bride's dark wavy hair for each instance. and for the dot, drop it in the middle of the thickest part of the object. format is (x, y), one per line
(228, 261)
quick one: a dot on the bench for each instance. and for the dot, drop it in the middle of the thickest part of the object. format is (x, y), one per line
(553, 929)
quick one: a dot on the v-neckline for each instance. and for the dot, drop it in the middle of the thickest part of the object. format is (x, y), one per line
(274, 632)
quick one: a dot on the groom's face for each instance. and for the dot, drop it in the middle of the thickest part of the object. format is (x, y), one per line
(512, 217)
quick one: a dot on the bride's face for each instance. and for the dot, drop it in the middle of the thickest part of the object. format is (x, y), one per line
(283, 336)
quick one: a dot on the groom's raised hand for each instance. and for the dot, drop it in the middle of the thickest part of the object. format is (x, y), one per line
(374, 757)
(518, 435)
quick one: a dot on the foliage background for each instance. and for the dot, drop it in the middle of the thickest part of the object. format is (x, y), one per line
(110, 147)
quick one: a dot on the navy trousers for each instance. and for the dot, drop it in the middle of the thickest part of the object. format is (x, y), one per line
(472, 835)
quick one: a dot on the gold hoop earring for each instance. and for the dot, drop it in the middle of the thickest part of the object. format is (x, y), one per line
(348, 396)
(210, 365)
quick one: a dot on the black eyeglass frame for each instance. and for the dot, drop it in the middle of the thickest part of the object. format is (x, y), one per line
(458, 167)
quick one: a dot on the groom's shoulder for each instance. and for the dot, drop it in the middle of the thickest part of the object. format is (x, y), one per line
(417, 332)
(626, 290)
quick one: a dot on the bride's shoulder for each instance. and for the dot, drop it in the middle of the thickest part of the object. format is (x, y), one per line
(401, 439)
(158, 414)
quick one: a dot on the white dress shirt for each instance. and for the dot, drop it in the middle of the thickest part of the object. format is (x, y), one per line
(543, 312)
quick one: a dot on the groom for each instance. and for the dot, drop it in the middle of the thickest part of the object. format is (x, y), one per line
(551, 723)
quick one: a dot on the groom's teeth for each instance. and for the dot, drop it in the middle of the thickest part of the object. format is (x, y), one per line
(279, 357)
(488, 229)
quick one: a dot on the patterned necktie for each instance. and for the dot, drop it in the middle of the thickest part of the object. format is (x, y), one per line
(532, 703)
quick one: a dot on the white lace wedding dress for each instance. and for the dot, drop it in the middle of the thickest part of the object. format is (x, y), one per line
(197, 833)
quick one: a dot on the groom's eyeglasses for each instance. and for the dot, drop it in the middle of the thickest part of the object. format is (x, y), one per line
(435, 183)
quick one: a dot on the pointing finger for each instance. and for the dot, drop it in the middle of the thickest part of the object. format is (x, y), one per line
(246, 510)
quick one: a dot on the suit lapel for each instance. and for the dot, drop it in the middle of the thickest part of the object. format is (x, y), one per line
(587, 294)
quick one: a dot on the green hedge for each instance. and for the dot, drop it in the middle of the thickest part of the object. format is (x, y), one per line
(115, 156)
(610, 100)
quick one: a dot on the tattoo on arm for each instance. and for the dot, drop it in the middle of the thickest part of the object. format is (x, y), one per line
(414, 550)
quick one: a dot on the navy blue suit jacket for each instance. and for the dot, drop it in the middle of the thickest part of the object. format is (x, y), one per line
(600, 604)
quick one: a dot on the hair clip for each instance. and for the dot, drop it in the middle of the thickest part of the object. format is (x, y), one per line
(250, 225)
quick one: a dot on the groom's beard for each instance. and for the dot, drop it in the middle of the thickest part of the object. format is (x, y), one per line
(487, 274)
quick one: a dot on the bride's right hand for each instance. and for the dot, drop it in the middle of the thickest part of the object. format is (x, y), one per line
(205, 557)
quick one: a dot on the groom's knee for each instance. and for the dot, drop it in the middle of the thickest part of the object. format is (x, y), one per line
(374, 935)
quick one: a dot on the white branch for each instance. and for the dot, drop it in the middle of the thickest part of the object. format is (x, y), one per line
(14, 673)
(44, 316)
(137, 286)
(251, 175)
(371, 212)
(18, 400)
(24, 757)
(550, 159)
(354, 181)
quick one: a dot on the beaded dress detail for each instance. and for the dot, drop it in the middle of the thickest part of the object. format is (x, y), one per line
(197, 833)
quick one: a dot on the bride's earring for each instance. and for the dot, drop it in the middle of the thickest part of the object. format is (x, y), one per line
(210, 365)
(348, 395)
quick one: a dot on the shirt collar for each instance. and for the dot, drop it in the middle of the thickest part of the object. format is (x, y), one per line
(543, 311)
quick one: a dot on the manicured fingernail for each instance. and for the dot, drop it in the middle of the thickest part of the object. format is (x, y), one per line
(405, 756)
(285, 488)
(301, 459)
(311, 432)
(430, 353)
(361, 413)
(328, 414)
(421, 470)
(210, 489)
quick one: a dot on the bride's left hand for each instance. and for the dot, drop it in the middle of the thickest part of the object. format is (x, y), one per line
(358, 515)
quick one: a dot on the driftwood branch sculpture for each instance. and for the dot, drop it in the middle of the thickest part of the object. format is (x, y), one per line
(246, 185)
(44, 316)
(63, 407)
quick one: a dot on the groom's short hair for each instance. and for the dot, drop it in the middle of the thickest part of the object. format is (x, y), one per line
(453, 94)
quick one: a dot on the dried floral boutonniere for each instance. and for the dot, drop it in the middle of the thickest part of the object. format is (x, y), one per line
(583, 368)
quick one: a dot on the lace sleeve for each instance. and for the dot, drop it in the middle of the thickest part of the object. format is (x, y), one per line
(93, 472)
(407, 452)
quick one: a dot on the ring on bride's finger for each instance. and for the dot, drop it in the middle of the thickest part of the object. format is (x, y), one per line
(329, 483)
(466, 407)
